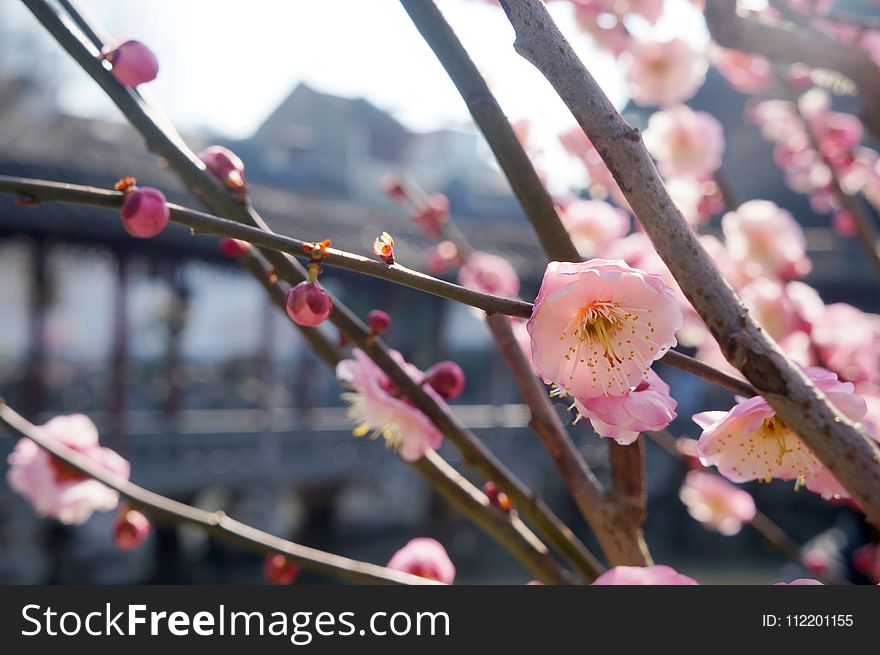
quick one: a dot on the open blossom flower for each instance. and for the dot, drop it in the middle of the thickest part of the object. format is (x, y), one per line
(751, 443)
(597, 326)
(54, 488)
(489, 274)
(745, 72)
(647, 407)
(716, 503)
(425, 558)
(848, 341)
(644, 575)
(593, 225)
(377, 410)
(766, 240)
(665, 73)
(685, 142)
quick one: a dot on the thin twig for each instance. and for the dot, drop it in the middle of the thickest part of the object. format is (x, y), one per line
(214, 523)
(850, 455)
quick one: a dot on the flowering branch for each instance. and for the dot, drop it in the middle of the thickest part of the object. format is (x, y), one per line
(764, 525)
(838, 443)
(193, 174)
(200, 222)
(804, 45)
(214, 523)
(41, 191)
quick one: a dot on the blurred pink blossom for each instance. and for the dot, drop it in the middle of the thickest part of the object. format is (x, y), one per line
(716, 503)
(745, 72)
(54, 488)
(489, 274)
(685, 142)
(375, 407)
(425, 558)
(665, 73)
(643, 575)
(765, 239)
(593, 225)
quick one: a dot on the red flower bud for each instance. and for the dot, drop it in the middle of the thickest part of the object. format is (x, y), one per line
(497, 497)
(446, 378)
(225, 165)
(378, 321)
(234, 248)
(308, 304)
(434, 213)
(133, 63)
(130, 529)
(280, 570)
(144, 212)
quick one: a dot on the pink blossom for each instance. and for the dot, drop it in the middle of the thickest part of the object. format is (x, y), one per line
(662, 74)
(647, 407)
(750, 442)
(133, 63)
(745, 72)
(779, 313)
(716, 503)
(54, 488)
(377, 409)
(685, 142)
(130, 529)
(766, 240)
(425, 558)
(848, 341)
(593, 225)
(602, 182)
(597, 326)
(489, 274)
(644, 575)
(441, 257)
(144, 212)
(432, 214)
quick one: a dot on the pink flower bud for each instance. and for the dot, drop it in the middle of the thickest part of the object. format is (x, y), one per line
(130, 529)
(378, 321)
(308, 304)
(225, 165)
(133, 63)
(446, 378)
(280, 570)
(234, 248)
(144, 212)
(816, 561)
(434, 213)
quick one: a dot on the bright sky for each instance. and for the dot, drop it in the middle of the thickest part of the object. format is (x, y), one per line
(225, 64)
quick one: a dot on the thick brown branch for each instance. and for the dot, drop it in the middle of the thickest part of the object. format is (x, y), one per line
(850, 455)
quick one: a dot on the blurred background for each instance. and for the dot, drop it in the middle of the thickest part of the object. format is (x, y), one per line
(195, 377)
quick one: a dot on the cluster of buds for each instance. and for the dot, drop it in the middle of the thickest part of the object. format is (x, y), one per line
(144, 210)
(133, 63)
(280, 570)
(383, 248)
(308, 304)
(227, 167)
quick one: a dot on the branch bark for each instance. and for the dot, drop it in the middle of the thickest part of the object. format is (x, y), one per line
(850, 455)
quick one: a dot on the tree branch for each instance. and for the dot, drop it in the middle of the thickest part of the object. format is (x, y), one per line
(850, 455)
(214, 523)
(193, 174)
